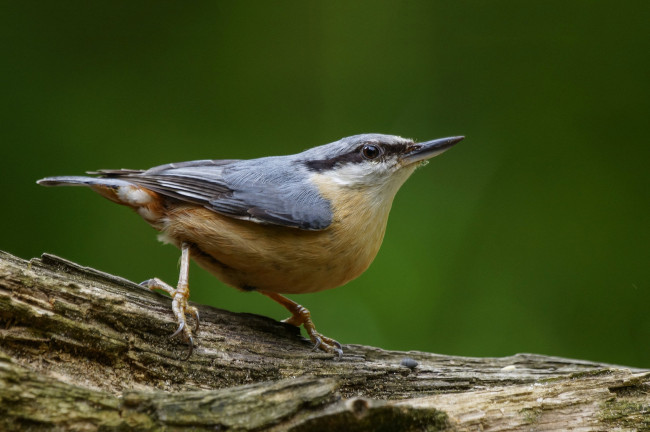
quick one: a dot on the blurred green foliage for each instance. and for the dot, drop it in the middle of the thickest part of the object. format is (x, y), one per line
(532, 235)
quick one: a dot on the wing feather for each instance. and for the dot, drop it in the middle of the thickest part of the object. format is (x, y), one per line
(268, 190)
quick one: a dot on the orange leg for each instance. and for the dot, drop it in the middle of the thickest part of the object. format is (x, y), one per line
(301, 316)
(179, 296)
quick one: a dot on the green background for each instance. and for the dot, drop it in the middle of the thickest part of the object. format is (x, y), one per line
(532, 235)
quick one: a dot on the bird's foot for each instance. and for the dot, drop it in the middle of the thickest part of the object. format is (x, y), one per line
(180, 307)
(302, 316)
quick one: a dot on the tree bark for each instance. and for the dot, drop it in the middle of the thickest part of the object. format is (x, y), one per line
(84, 350)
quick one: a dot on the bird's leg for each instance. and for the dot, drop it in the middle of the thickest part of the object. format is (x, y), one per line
(179, 296)
(301, 316)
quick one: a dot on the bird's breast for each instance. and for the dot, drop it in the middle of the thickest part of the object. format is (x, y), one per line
(253, 256)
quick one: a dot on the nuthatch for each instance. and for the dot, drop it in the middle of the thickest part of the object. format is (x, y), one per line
(277, 225)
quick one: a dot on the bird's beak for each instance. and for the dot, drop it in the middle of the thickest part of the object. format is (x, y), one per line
(422, 151)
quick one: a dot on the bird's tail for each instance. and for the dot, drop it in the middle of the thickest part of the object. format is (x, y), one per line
(82, 181)
(117, 190)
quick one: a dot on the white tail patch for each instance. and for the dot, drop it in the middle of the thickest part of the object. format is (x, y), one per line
(134, 196)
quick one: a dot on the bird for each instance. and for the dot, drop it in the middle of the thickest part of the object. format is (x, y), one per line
(277, 225)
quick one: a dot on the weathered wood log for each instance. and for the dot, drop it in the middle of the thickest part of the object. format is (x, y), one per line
(82, 350)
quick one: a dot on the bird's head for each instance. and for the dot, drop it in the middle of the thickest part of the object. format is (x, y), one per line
(376, 163)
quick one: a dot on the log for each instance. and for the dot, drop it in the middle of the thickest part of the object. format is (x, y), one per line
(84, 350)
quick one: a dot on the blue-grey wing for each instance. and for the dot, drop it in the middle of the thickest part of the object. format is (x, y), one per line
(268, 190)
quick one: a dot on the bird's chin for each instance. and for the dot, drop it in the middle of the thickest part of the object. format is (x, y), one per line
(413, 164)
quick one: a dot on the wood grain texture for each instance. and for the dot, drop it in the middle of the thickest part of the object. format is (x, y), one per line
(81, 350)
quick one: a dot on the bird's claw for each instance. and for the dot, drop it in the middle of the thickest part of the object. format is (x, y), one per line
(326, 344)
(317, 343)
(178, 331)
(182, 329)
(179, 307)
(195, 314)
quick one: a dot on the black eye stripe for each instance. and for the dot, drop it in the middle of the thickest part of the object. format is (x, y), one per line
(355, 156)
(328, 164)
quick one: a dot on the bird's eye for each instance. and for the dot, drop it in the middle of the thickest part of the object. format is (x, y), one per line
(370, 151)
